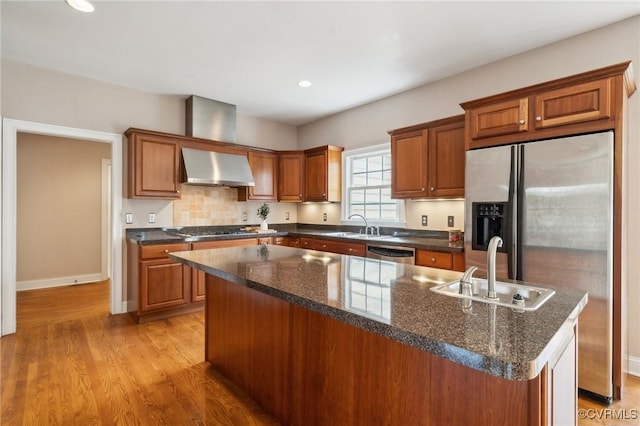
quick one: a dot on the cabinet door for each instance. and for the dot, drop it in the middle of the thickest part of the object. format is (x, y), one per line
(306, 243)
(164, 284)
(576, 104)
(409, 159)
(316, 164)
(502, 118)
(153, 166)
(323, 174)
(291, 177)
(446, 161)
(264, 170)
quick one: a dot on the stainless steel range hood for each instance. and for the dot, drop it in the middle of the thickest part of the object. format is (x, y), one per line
(208, 168)
(213, 120)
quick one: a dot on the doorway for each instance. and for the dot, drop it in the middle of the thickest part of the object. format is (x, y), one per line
(10, 131)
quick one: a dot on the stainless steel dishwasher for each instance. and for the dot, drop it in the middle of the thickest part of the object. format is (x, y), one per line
(397, 254)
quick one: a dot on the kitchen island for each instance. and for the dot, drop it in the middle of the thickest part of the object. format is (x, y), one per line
(321, 338)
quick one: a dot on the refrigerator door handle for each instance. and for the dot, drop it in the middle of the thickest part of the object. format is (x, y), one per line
(512, 214)
(519, 226)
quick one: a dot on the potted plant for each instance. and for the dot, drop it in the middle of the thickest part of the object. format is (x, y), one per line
(263, 212)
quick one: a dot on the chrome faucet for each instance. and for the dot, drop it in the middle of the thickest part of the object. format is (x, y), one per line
(494, 243)
(366, 224)
(466, 281)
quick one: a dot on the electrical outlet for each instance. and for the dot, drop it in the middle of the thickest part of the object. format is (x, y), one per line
(424, 220)
(286, 216)
(449, 221)
(152, 218)
(128, 218)
(244, 216)
(324, 217)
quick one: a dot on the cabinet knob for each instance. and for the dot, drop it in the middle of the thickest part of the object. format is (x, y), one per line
(300, 196)
(350, 249)
(324, 195)
(432, 188)
(521, 121)
(433, 260)
(422, 189)
(538, 118)
(166, 250)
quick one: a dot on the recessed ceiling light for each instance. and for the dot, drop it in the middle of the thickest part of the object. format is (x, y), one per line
(304, 83)
(81, 5)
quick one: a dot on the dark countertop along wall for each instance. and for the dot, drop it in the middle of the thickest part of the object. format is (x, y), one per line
(497, 340)
(426, 240)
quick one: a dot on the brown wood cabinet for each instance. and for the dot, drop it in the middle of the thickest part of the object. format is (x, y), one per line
(427, 159)
(299, 365)
(153, 166)
(157, 286)
(341, 247)
(291, 176)
(577, 104)
(323, 174)
(439, 259)
(264, 167)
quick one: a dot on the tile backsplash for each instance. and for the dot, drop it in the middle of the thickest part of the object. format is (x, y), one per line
(202, 206)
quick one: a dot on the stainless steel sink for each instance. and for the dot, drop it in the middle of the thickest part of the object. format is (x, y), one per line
(531, 298)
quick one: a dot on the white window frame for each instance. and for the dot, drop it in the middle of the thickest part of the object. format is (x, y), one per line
(347, 155)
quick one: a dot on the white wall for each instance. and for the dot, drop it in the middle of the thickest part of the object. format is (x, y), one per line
(609, 45)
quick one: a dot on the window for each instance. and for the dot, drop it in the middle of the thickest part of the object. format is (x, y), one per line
(368, 186)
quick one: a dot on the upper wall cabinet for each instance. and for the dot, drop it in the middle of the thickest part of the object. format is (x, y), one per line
(323, 174)
(571, 105)
(153, 166)
(427, 160)
(264, 167)
(291, 176)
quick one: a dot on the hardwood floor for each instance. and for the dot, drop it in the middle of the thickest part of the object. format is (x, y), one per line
(72, 363)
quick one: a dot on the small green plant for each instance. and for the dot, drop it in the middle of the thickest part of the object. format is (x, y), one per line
(263, 211)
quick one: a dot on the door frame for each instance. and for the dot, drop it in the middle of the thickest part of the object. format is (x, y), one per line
(10, 129)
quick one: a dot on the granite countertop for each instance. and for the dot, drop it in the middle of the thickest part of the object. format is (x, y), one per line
(394, 300)
(436, 240)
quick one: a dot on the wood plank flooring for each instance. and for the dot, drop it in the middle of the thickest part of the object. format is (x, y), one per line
(72, 363)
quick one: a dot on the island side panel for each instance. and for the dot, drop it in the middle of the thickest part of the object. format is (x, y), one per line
(248, 340)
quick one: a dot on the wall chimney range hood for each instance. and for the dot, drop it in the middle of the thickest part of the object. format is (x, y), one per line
(213, 120)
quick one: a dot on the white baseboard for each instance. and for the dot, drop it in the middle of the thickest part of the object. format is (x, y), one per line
(634, 366)
(58, 282)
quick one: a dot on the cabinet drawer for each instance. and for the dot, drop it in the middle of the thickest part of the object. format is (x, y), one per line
(434, 259)
(340, 247)
(306, 243)
(159, 251)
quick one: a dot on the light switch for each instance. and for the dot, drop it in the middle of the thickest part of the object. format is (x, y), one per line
(286, 216)
(152, 218)
(128, 218)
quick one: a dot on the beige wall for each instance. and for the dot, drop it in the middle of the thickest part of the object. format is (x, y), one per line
(58, 209)
(46, 96)
(616, 43)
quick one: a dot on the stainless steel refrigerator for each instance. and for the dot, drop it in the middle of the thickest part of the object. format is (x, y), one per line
(552, 203)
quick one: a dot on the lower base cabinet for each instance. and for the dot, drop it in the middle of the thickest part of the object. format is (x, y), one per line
(305, 368)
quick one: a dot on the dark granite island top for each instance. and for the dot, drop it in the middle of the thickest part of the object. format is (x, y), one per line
(394, 300)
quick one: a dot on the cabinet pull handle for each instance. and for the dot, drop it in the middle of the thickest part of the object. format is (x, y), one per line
(538, 118)
(521, 122)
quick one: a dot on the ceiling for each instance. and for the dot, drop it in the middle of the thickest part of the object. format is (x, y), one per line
(252, 54)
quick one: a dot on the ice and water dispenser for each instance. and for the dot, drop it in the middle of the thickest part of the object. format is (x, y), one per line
(490, 220)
